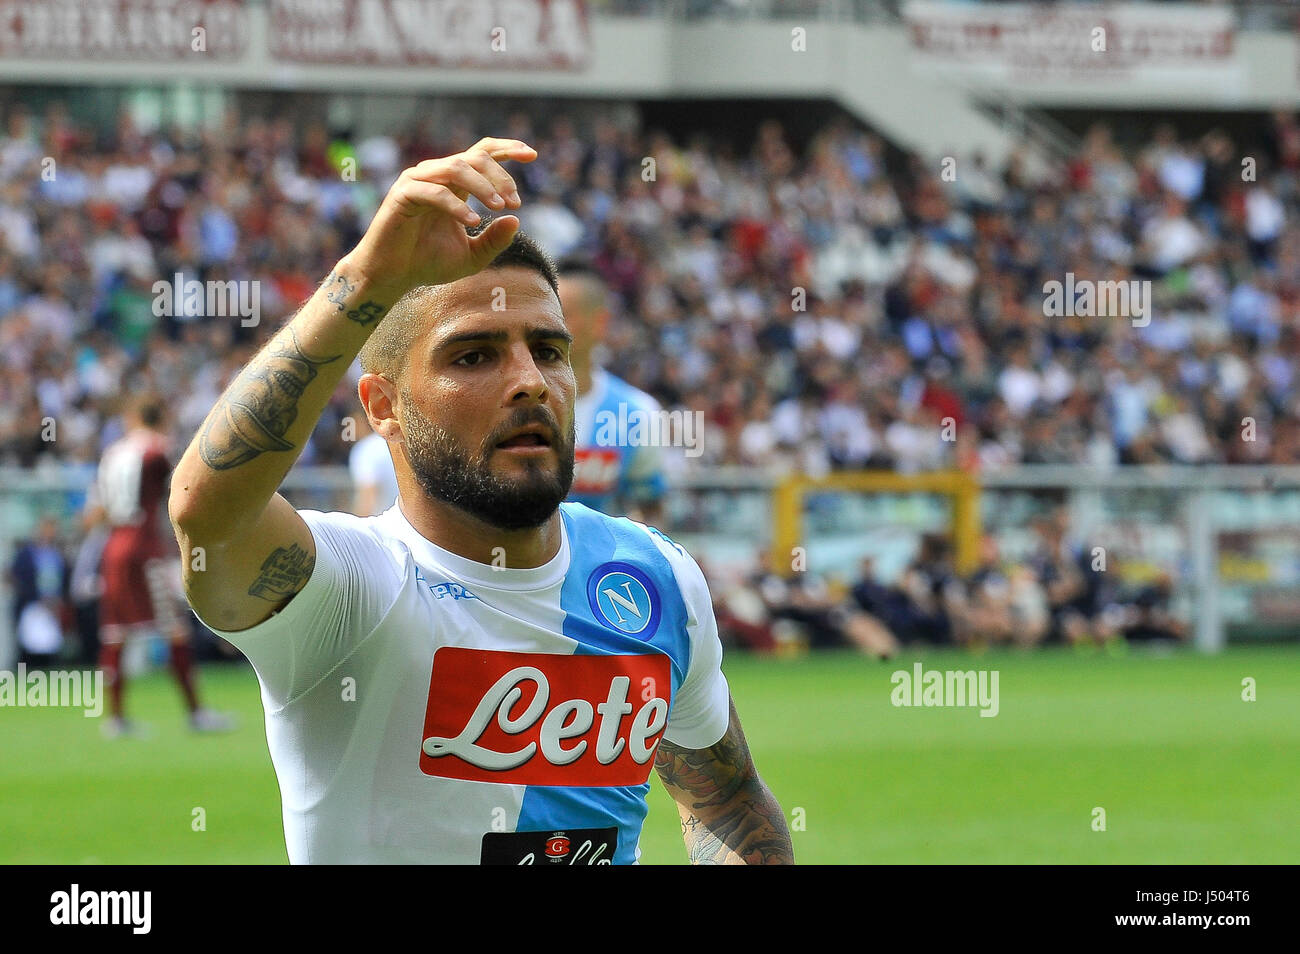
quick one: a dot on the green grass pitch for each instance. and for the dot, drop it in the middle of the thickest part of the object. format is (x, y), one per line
(1186, 771)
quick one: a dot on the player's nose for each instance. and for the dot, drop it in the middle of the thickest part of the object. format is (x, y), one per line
(525, 380)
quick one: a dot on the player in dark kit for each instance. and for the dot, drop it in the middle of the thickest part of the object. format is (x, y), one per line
(139, 567)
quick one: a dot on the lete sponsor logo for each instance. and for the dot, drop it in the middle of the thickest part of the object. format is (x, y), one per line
(544, 719)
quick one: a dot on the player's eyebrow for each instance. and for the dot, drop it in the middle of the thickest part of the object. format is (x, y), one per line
(531, 333)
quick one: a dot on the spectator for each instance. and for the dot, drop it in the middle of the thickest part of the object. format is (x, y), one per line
(930, 605)
(911, 290)
(1080, 595)
(86, 585)
(805, 599)
(39, 577)
(989, 611)
(1149, 617)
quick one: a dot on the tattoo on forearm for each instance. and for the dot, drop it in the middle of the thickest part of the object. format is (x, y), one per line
(367, 313)
(257, 410)
(283, 574)
(728, 814)
(339, 288)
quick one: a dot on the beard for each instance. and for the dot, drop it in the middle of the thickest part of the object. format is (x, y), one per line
(446, 470)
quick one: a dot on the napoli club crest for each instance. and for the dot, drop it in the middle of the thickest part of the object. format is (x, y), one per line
(624, 599)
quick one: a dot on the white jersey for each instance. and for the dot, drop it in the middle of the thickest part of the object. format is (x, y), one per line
(131, 481)
(370, 464)
(422, 707)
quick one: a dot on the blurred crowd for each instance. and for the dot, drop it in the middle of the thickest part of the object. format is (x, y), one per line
(836, 306)
(830, 308)
(1064, 593)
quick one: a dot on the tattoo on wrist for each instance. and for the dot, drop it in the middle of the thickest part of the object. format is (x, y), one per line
(339, 290)
(367, 313)
(283, 574)
(258, 409)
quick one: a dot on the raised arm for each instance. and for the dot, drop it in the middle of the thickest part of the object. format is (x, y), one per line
(728, 815)
(257, 551)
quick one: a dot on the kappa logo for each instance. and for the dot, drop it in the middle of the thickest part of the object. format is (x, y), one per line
(624, 599)
(454, 590)
(442, 590)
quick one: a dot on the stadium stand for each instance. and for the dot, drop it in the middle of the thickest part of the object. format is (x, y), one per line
(924, 299)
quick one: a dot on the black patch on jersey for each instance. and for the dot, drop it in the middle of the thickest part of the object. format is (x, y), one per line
(554, 846)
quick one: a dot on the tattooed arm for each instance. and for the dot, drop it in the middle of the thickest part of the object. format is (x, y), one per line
(728, 815)
(256, 551)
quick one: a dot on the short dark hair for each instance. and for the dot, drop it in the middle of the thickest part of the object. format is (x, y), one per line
(389, 346)
(580, 269)
(522, 252)
(149, 409)
(578, 265)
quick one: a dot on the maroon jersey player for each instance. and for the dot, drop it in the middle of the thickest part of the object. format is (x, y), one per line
(140, 564)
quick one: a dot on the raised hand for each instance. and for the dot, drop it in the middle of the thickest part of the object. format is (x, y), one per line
(418, 236)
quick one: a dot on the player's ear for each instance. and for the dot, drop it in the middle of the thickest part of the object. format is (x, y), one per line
(378, 396)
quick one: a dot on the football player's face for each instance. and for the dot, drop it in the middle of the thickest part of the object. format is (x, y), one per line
(487, 411)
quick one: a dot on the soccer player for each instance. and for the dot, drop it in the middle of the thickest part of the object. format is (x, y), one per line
(611, 476)
(483, 674)
(374, 481)
(141, 576)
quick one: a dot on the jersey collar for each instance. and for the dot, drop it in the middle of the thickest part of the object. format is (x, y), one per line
(429, 554)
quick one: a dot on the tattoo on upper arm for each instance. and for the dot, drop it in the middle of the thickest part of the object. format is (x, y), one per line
(283, 574)
(340, 288)
(709, 776)
(728, 814)
(257, 410)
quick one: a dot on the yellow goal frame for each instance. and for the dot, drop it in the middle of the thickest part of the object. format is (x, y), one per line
(960, 487)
